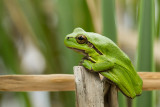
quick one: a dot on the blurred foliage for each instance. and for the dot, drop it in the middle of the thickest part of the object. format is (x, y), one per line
(44, 24)
(158, 19)
(145, 62)
(108, 19)
(8, 51)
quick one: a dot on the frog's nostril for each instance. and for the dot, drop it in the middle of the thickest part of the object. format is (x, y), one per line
(67, 38)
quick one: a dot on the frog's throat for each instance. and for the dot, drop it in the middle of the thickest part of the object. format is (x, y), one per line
(79, 51)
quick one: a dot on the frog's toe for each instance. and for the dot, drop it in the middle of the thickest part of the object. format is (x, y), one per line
(87, 66)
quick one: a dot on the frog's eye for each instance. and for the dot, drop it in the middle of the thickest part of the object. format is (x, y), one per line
(81, 39)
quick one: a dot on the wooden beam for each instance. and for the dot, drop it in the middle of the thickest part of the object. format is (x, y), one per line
(55, 82)
(61, 82)
(151, 80)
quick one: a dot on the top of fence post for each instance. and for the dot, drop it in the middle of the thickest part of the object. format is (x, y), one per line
(90, 90)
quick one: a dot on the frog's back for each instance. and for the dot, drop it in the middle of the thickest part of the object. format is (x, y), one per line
(110, 49)
(123, 71)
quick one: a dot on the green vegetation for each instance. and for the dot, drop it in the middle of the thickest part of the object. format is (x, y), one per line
(44, 24)
(108, 19)
(145, 62)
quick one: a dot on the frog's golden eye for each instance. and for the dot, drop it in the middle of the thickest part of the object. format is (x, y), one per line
(81, 39)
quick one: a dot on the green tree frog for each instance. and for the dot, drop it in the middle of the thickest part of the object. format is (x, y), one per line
(104, 56)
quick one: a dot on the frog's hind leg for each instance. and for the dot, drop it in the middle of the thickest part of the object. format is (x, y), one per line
(122, 80)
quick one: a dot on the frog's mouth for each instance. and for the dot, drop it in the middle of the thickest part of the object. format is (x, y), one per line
(83, 51)
(79, 51)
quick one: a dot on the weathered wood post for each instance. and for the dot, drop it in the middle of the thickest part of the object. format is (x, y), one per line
(91, 91)
(110, 96)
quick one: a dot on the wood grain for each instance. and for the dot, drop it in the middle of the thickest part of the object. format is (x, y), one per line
(89, 88)
(111, 95)
(151, 80)
(55, 82)
(61, 82)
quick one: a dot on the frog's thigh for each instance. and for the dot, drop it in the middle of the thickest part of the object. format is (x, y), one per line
(98, 66)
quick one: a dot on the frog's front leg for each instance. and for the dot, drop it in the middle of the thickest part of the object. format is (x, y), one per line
(97, 66)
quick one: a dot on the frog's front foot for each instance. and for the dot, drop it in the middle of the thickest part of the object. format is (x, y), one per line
(82, 60)
(87, 64)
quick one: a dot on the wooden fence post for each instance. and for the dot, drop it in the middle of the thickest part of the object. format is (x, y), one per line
(90, 90)
(110, 96)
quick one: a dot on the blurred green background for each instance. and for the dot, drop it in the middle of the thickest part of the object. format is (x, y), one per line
(32, 34)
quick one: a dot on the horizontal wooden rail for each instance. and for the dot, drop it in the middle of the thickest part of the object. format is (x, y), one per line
(61, 82)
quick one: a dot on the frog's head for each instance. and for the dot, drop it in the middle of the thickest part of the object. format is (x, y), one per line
(79, 41)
